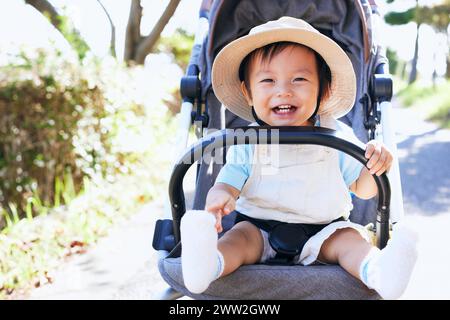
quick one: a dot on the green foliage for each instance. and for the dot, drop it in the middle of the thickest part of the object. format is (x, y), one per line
(42, 102)
(413, 93)
(442, 114)
(73, 37)
(397, 66)
(398, 18)
(437, 16)
(80, 141)
(60, 119)
(431, 102)
(393, 60)
(70, 33)
(179, 45)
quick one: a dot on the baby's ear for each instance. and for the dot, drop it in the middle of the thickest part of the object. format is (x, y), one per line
(246, 94)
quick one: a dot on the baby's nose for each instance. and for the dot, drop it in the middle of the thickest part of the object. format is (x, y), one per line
(284, 90)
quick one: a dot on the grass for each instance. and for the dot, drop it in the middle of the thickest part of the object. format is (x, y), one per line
(432, 103)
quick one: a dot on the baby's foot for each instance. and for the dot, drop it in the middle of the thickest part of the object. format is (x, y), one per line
(201, 262)
(388, 271)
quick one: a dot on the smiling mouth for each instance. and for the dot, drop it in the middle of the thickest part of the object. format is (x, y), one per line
(284, 109)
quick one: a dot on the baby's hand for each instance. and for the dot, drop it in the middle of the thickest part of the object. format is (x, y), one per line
(220, 203)
(380, 158)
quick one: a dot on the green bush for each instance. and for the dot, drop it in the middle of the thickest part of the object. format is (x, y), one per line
(414, 93)
(179, 47)
(429, 102)
(89, 147)
(59, 120)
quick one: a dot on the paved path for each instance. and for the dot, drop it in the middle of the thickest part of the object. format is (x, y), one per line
(424, 151)
(103, 269)
(123, 265)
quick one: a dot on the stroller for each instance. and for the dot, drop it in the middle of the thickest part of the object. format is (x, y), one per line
(350, 23)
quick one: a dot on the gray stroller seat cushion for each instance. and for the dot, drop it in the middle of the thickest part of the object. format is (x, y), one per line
(269, 282)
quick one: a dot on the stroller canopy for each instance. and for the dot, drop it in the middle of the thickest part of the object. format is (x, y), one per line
(343, 21)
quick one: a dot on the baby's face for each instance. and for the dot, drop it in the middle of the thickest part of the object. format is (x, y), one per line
(284, 90)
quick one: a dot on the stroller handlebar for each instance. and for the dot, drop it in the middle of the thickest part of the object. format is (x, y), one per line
(274, 135)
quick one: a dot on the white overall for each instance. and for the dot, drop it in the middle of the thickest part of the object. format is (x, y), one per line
(298, 184)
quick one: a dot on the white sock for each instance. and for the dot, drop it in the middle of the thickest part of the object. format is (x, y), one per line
(201, 262)
(388, 271)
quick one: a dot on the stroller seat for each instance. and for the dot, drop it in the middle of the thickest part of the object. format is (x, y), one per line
(268, 282)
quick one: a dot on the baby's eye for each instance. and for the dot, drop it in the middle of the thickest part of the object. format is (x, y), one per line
(299, 79)
(267, 80)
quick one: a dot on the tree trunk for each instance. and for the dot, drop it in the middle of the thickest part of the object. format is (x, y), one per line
(46, 8)
(136, 46)
(447, 70)
(133, 32)
(413, 73)
(70, 34)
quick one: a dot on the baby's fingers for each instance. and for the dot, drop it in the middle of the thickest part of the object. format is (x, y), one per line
(229, 207)
(384, 164)
(218, 206)
(217, 212)
(370, 148)
(380, 166)
(380, 159)
(218, 224)
(373, 153)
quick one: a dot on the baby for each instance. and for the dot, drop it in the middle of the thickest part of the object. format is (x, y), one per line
(286, 73)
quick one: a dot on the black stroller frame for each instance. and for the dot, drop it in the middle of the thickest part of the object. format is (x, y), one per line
(166, 240)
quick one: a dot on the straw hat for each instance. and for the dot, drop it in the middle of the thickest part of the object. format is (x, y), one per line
(225, 71)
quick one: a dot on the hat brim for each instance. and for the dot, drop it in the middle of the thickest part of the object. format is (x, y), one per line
(225, 71)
